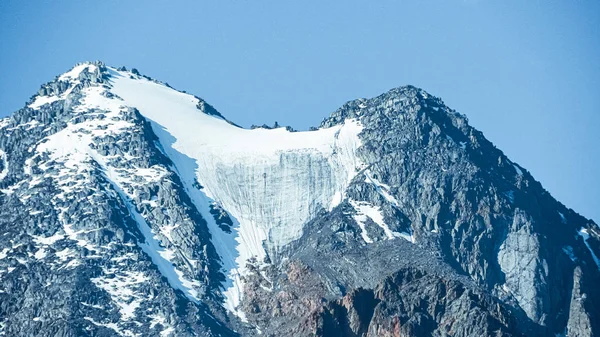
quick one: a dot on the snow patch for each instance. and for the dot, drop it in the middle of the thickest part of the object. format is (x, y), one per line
(66, 253)
(4, 253)
(4, 122)
(569, 251)
(361, 220)
(408, 237)
(518, 170)
(50, 240)
(95, 306)
(511, 196)
(123, 288)
(43, 100)
(336, 200)
(40, 253)
(562, 218)
(112, 326)
(167, 229)
(4, 159)
(11, 189)
(585, 235)
(167, 331)
(365, 210)
(382, 189)
(75, 71)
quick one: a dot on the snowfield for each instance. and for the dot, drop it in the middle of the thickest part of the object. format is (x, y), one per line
(270, 181)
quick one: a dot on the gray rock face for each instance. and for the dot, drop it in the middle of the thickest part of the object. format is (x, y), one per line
(411, 303)
(525, 274)
(580, 324)
(438, 234)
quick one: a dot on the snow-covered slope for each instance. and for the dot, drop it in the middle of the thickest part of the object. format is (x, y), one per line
(270, 181)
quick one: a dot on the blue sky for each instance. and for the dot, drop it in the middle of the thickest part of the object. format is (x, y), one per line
(526, 73)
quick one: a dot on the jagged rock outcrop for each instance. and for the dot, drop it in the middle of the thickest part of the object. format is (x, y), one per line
(409, 302)
(580, 322)
(412, 303)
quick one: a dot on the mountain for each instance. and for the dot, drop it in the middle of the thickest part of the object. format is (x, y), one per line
(129, 208)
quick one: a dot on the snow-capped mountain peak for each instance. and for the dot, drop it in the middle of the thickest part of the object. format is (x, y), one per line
(176, 221)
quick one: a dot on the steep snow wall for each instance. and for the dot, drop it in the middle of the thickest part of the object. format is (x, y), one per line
(270, 181)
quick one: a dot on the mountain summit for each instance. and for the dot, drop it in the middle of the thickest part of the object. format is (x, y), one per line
(129, 208)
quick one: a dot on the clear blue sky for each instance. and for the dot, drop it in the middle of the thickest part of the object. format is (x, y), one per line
(526, 73)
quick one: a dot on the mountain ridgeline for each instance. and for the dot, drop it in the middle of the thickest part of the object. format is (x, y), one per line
(128, 208)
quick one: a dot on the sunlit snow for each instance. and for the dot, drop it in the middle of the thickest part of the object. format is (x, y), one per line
(382, 189)
(4, 253)
(270, 181)
(585, 235)
(123, 288)
(563, 219)
(366, 210)
(4, 171)
(518, 170)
